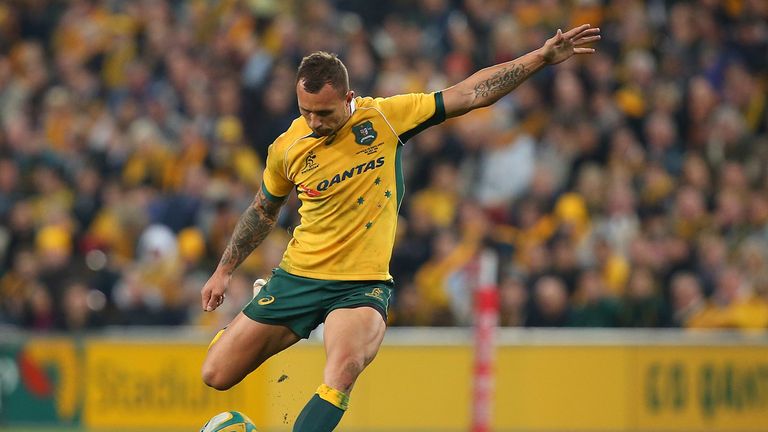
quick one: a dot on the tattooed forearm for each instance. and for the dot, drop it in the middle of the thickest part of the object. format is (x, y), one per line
(252, 228)
(502, 82)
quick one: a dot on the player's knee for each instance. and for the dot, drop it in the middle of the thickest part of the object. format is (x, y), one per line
(216, 378)
(344, 372)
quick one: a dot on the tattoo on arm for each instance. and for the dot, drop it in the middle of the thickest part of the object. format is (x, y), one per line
(502, 82)
(252, 228)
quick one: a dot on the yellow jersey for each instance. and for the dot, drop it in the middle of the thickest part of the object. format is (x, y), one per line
(350, 185)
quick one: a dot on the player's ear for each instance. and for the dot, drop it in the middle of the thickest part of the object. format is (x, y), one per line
(349, 96)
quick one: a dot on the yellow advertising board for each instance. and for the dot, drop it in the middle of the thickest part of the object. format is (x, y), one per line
(632, 388)
(715, 388)
(538, 387)
(144, 385)
(562, 388)
(133, 384)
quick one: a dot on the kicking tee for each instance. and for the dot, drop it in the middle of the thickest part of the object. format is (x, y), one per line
(350, 185)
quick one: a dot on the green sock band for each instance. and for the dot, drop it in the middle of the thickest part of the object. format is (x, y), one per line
(318, 415)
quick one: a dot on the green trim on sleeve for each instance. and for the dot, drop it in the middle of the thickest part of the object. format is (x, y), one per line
(399, 179)
(437, 118)
(271, 197)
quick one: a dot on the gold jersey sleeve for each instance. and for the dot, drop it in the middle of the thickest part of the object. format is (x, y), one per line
(350, 185)
(412, 113)
(276, 184)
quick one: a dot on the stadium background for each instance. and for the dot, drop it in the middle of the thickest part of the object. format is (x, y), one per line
(628, 189)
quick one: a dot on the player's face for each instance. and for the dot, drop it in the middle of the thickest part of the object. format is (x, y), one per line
(325, 111)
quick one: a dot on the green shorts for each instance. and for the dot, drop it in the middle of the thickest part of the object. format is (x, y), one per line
(301, 303)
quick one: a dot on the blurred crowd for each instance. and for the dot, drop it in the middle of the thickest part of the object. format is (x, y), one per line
(628, 188)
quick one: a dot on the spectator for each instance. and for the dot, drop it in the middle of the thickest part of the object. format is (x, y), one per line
(513, 298)
(81, 308)
(593, 306)
(688, 301)
(549, 307)
(642, 305)
(445, 281)
(17, 288)
(735, 304)
(440, 198)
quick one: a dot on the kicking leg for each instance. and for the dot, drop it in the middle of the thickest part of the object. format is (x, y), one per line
(243, 347)
(352, 339)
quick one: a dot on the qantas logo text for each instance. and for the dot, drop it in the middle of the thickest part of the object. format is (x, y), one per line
(340, 177)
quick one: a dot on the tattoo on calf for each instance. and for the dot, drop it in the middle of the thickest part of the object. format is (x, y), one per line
(502, 82)
(252, 228)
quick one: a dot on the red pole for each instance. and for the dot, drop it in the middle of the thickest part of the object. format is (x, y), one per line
(486, 321)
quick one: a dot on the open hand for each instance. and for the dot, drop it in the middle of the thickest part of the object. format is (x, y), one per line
(562, 46)
(213, 292)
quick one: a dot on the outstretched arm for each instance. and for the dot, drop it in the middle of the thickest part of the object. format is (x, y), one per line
(489, 85)
(253, 227)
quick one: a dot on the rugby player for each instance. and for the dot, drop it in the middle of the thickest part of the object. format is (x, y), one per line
(342, 156)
